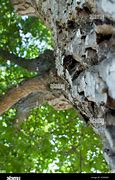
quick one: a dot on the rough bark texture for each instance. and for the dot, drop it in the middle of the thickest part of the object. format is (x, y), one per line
(84, 36)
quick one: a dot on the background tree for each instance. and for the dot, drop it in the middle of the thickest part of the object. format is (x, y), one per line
(80, 43)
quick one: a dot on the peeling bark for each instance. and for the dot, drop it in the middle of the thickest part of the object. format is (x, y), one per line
(84, 36)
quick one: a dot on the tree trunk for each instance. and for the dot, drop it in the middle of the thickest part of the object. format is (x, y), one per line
(84, 37)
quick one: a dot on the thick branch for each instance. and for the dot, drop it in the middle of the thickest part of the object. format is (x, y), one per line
(15, 94)
(34, 92)
(41, 64)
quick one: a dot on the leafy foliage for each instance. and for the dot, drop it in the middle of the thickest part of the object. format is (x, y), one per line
(49, 140)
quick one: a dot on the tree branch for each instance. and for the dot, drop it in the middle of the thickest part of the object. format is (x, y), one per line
(40, 64)
(34, 92)
(16, 93)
